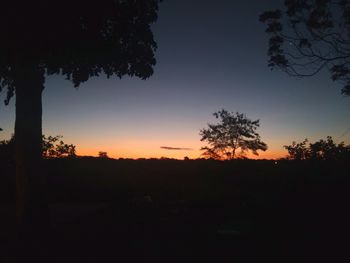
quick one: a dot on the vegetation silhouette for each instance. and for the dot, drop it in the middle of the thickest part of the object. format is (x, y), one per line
(297, 151)
(52, 147)
(220, 209)
(309, 36)
(103, 155)
(320, 150)
(78, 40)
(233, 132)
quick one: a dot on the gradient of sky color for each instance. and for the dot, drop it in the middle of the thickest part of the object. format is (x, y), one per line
(211, 55)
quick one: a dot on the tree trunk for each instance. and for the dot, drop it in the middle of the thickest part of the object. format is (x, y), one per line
(31, 200)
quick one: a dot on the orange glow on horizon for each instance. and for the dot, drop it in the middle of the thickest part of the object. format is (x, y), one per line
(134, 147)
(157, 152)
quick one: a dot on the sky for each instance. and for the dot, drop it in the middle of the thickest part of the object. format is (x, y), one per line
(211, 55)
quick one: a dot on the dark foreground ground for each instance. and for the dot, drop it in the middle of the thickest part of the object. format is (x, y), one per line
(187, 211)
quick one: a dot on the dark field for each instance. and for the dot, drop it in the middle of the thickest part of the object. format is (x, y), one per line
(189, 211)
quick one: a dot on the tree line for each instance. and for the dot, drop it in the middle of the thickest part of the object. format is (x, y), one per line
(235, 135)
(52, 147)
(231, 138)
(324, 149)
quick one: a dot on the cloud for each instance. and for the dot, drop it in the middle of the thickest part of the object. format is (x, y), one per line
(175, 148)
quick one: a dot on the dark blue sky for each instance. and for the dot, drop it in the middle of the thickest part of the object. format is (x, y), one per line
(211, 55)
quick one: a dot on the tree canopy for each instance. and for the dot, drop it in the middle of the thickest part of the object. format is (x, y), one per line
(298, 151)
(55, 147)
(233, 132)
(52, 147)
(78, 39)
(323, 149)
(310, 36)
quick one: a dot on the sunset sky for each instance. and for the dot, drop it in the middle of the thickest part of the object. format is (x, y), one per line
(211, 55)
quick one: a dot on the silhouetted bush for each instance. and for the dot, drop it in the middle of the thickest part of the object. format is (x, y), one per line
(52, 147)
(321, 150)
(103, 155)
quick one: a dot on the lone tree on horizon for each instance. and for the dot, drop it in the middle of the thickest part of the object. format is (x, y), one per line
(103, 155)
(77, 39)
(310, 36)
(234, 132)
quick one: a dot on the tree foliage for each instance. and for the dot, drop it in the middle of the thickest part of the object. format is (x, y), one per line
(309, 36)
(324, 149)
(78, 39)
(234, 132)
(298, 151)
(53, 147)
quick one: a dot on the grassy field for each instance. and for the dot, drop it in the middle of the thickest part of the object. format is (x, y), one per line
(106, 210)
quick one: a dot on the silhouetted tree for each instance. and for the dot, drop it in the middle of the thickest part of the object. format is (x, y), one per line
(328, 150)
(234, 132)
(52, 147)
(103, 155)
(78, 39)
(319, 150)
(310, 35)
(298, 151)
